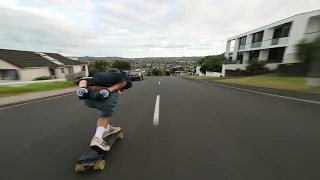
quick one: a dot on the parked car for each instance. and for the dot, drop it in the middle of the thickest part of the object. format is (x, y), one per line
(135, 75)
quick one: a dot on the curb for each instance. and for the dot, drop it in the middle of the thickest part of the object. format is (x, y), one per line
(5, 105)
(287, 94)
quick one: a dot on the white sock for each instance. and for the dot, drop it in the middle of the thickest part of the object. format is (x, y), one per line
(99, 132)
(108, 128)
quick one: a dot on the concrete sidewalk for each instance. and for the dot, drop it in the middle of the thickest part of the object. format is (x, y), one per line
(11, 100)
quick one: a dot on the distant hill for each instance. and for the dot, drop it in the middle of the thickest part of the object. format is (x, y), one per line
(88, 58)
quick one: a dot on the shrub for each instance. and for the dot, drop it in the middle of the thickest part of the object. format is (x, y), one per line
(42, 78)
(256, 66)
(239, 72)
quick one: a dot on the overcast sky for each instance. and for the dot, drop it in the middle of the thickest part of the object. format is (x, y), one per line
(136, 28)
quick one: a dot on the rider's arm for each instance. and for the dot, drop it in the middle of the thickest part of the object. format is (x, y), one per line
(128, 85)
(117, 86)
(82, 83)
(125, 83)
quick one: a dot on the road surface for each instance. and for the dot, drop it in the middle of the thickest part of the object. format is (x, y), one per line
(204, 132)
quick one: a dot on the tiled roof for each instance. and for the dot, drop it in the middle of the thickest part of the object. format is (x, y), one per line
(64, 60)
(24, 59)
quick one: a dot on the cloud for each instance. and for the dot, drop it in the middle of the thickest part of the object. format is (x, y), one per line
(136, 28)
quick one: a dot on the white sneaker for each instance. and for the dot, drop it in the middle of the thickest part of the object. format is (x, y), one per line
(99, 143)
(112, 130)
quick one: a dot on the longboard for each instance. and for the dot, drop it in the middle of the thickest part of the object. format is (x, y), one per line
(93, 160)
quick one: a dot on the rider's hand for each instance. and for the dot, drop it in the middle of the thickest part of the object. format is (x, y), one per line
(103, 94)
(82, 93)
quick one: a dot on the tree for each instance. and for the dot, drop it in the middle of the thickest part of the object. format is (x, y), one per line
(121, 65)
(255, 66)
(157, 72)
(308, 51)
(166, 72)
(316, 49)
(212, 63)
(314, 63)
(304, 51)
(200, 61)
(98, 66)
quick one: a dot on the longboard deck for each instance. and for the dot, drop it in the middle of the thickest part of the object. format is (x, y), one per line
(94, 159)
(111, 139)
(89, 155)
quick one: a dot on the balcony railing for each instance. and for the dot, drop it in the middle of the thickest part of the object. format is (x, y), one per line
(256, 44)
(266, 43)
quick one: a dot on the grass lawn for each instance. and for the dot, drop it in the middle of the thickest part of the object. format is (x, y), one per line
(203, 77)
(18, 90)
(288, 83)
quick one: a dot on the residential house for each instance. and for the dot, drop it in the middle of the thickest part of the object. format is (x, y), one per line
(274, 43)
(184, 70)
(28, 65)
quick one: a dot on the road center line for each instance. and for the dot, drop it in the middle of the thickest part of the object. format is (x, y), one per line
(159, 82)
(156, 112)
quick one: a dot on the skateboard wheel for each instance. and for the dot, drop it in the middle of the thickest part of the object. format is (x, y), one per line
(80, 168)
(100, 165)
(120, 136)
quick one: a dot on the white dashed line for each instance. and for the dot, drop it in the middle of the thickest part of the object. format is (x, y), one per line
(156, 112)
(159, 82)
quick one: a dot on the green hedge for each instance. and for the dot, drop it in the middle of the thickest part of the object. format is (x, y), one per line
(42, 78)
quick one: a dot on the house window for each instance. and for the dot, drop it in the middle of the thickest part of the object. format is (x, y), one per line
(242, 40)
(254, 55)
(70, 69)
(257, 37)
(62, 70)
(52, 72)
(240, 57)
(9, 74)
(83, 68)
(276, 55)
(282, 31)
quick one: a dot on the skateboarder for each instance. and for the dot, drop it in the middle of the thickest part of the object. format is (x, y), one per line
(101, 92)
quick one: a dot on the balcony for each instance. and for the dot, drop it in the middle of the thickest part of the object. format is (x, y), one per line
(242, 47)
(265, 44)
(279, 41)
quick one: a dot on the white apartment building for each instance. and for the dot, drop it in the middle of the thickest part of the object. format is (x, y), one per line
(274, 43)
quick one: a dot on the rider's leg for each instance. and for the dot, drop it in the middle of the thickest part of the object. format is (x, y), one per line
(102, 125)
(105, 112)
(97, 142)
(108, 109)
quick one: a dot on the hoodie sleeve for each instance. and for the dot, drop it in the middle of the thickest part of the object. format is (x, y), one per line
(129, 84)
(125, 78)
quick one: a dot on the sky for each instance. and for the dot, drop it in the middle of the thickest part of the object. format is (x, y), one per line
(136, 28)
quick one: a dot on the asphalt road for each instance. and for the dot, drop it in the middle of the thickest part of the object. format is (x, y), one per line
(205, 132)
